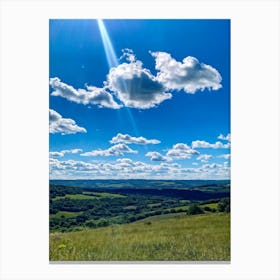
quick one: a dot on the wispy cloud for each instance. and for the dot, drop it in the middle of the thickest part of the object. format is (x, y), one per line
(204, 158)
(226, 138)
(63, 152)
(127, 139)
(90, 95)
(116, 150)
(204, 144)
(58, 124)
(225, 156)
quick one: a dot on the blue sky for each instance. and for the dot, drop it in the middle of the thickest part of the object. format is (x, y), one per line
(139, 99)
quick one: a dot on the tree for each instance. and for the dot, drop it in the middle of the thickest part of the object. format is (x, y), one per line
(224, 205)
(103, 223)
(91, 224)
(207, 208)
(194, 209)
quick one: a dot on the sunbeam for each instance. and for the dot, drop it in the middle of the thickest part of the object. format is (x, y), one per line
(109, 50)
(113, 62)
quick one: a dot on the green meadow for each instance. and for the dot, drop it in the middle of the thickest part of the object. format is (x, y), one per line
(171, 237)
(139, 223)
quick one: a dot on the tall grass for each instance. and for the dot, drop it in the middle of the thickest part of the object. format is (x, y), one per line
(176, 237)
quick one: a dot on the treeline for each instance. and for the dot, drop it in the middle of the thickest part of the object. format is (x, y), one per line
(58, 190)
(109, 205)
(174, 193)
(223, 206)
(93, 219)
(85, 220)
(133, 205)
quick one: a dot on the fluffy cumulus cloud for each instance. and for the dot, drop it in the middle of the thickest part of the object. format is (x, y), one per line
(204, 144)
(134, 85)
(204, 158)
(63, 152)
(181, 151)
(56, 154)
(121, 168)
(225, 138)
(211, 166)
(127, 139)
(66, 167)
(126, 168)
(155, 156)
(58, 124)
(116, 150)
(225, 156)
(124, 160)
(90, 95)
(189, 75)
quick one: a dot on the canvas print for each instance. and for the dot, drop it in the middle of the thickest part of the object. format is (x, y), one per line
(139, 140)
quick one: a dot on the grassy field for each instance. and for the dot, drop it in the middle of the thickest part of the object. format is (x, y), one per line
(104, 194)
(173, 237)
(210, 205)
(65, 214)
(75, 196)
(85, 195)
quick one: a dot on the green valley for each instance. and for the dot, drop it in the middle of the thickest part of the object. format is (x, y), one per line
(136, 223)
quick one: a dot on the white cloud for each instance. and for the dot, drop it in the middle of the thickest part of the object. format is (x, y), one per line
(204, 158)
(191, 170)
(204, 144)
(171, 165)
(56, 154)
(58, 124)
(134, 85)
(126, 168)
(72, 165)
(124, 160)
(211, 166)
(116, 150)
(181, 151)
(226, 138)
(155, 156)
(72, 151)
(189, 75)
(128, 54)
(225, 156)
(216, 170)
(92, 95)
(127, 139)
(63, 152)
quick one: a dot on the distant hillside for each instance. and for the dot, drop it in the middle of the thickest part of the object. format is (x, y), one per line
(182, 194)
(178, 184)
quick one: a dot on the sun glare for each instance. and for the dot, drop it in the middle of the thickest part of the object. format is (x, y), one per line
(113, 62)
(109, 50)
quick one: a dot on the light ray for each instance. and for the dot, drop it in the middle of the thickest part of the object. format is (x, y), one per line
(109, 50)
(113, 62)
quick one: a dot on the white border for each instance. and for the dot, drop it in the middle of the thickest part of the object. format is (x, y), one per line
(255, 137)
